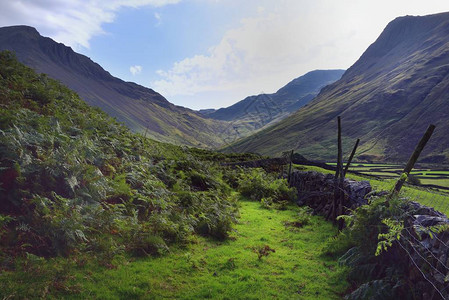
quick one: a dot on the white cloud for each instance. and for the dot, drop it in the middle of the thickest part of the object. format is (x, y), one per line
(284, 40)
(250, 57)
(135, 70)
(72, 22)
(158, 18)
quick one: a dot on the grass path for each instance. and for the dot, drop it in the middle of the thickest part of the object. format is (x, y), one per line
(207, 269)
(231, 269)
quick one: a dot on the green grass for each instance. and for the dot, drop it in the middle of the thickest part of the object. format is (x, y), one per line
(382, 174)
(207, 268)
(430, 180)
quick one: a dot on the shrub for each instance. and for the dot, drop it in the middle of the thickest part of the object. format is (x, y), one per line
(256, 184)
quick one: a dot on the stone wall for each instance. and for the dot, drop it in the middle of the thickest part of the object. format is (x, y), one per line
(427, 254)
(316, 190)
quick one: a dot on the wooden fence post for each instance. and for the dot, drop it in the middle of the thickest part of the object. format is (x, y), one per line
(338, 173)
(339, 148)
(413, 158)
(290, 167)
(351, 157)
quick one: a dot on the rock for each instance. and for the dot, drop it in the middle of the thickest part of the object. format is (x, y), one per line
(420, 209)
(439, 278)
(428, 220)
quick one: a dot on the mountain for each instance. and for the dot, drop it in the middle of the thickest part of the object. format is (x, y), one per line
(257, 111)
(387, 99)
(140, 108)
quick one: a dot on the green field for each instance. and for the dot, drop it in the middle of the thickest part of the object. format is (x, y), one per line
(430, 176)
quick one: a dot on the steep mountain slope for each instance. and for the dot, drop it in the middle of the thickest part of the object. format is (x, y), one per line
(260, 110)
(140, 108)
(387, 99)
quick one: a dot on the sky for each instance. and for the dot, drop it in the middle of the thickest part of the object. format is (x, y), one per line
(213, 53)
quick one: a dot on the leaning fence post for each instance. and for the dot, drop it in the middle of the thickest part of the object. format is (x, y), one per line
(351, 157)
(413, 158)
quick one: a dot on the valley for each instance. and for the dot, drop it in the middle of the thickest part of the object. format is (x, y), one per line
(109, 191)
(90, 209)
(260, 111)
(146, 111)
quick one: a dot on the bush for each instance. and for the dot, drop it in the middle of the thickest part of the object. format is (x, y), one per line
(256, 184)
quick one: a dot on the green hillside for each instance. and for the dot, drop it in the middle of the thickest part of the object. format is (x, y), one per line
(72, 179)
(141, 109)
(387, 99)
(89, 209)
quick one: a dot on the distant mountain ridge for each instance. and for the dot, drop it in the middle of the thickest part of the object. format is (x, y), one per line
(140, 108)
(264, 109)
(387, 99)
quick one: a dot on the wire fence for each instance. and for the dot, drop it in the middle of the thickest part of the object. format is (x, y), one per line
(439, 200)
(426, 247)
(427, 250)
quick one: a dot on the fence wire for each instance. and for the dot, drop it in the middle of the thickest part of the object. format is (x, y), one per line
(429, 254)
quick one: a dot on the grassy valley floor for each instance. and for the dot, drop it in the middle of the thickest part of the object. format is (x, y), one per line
(209, 269)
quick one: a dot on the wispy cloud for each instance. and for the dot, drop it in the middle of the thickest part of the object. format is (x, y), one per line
(158, 18)
(251, 56)
(285, 39)
(72, 22)
(135, 70)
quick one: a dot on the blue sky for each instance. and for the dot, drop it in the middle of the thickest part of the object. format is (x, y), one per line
(213, 53)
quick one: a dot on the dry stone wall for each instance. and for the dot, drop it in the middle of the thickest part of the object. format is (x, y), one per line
(427, 254)
(316, 190)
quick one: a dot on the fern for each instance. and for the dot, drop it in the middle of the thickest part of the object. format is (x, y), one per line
(79, 180)
(386, 240)
(431, 230)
